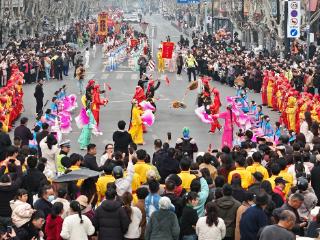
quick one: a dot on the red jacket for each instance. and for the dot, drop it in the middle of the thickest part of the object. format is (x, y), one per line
(53, 228)
(279, 191)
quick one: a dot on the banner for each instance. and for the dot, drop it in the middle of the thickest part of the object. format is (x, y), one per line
(92, 28)
(167, 49)
(294, 19)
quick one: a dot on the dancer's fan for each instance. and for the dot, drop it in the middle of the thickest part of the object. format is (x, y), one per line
(193, 85)
(178, 104)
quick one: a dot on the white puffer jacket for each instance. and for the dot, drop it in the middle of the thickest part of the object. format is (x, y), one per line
(21, 212)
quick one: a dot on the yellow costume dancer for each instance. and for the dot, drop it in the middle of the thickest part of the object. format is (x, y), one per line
(269, 92)
(136, 128)
(291, 113)
(160, 61)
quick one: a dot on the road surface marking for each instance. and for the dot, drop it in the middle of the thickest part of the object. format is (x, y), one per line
(105, 75)
(119, 76)
(90, 76)
(134, 76)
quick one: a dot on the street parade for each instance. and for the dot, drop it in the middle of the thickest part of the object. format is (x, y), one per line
(177, 119)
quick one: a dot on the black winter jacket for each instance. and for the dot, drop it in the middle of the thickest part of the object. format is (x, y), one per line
(111, 220)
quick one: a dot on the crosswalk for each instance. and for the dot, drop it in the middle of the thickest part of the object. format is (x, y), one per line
(130, 75)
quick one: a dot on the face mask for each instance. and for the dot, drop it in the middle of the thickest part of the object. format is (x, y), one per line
(51, 198)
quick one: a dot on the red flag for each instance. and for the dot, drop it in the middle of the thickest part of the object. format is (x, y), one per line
(107, 85)
(167, 49)
(167, 80)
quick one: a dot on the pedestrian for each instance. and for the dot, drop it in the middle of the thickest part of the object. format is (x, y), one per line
(123, 182)
(94, 50)
(50, 150)
(142, 193)
(189, 217)
(248, 202)
(41, 135)
(54, 222)
(153, 198)
(254, 218)
(47, 66)
(135, 215)
(23, 132)
(80, 73)
(4, 73)
(45, 197)
(179, 63)
(33, 228)
(58, 67)
(38, 94)
(76, 226)
(5, 142)
(90, 159)
(191, 64)
(62, 198)
(121, 138)
(282, 230)
(293, 204)
(142, 62)
(211, 227)
(186, 144)
(21, 210)
(111, 219)
(227, 210)
(165, 218)
(66, 64)
(87, 58)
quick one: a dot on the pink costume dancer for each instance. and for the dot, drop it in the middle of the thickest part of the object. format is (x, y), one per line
(230, 119)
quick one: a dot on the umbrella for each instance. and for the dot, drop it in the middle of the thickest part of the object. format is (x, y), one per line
(82, 173)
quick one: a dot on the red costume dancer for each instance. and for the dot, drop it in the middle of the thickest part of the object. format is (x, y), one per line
(264, 88)
(214, 108)
(274, 95)
(96, 103)
(139, 94)
(299, 106)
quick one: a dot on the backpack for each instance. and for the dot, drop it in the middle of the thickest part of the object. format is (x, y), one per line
(186, 146)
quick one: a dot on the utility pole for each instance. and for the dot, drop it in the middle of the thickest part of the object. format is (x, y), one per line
(308, 31)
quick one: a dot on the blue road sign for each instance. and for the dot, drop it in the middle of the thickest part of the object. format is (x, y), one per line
(293, 32)
(182, 1)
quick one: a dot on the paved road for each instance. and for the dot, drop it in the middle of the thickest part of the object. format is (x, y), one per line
(123, 82)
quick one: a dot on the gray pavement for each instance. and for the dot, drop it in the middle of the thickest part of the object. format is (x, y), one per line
(123, 82)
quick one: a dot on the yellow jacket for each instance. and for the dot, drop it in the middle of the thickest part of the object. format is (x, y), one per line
(289, 178)
(246, 177)
(272, 180)
(257, 167)
(142, 168)
(186, 179)
(136, 181)
(102, 184)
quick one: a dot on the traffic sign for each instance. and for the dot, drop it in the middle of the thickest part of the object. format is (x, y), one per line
(293, 32)
(294, 19)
